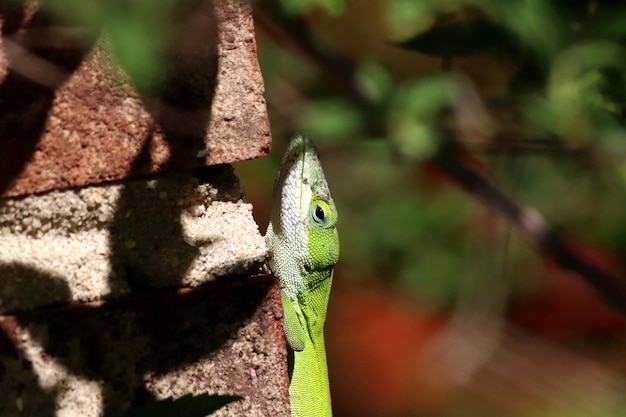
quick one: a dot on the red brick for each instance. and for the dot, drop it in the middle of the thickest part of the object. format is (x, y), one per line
(96, 127)
(88, 358)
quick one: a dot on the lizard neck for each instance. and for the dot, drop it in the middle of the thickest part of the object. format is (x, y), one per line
(309, 389)
(313, 300)
(312, 398)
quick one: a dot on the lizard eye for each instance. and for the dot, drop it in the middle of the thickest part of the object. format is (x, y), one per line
(319, 213)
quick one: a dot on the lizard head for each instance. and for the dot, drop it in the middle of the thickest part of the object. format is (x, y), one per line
(302, 234)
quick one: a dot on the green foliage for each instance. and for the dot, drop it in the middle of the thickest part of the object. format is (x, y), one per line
(533, 90)
(186, 406)
(139, 31)
(333, 7)
(423, 250)
(537, 24)
(553, 135)
(460, 39)
(413, 115)
(564, 96)
(376, 80)
(331, 118)
(406, 16)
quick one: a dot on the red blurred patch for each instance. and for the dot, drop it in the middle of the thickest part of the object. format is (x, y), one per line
(374, 342)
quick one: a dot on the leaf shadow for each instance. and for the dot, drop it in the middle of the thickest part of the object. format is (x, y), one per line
(25, 99)
(152, 332)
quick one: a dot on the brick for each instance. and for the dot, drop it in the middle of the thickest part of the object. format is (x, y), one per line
(95, 127)
(90, 359)
(124, 277)
(104, 241)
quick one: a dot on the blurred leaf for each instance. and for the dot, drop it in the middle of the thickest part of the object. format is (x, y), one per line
(539, 114)
(414, 114)
(575, 89)
(536, 24)
(461, 39)
(137, 46)
(332, 7)
(414, 139)
(416, 239)
(331, 118)
(407, 16)
(187, 406)
(434, 275)
(78, 12)
(139, 31)
(375, 79)
(610, 24)
(426, 97)
(585, 56)
(612, 87)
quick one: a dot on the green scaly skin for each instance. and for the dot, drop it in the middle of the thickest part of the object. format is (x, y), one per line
(304, 246)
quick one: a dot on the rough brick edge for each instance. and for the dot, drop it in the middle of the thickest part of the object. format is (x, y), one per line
(224, 338)
(95, 128)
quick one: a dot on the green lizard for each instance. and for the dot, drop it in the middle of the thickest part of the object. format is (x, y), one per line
(304, 248)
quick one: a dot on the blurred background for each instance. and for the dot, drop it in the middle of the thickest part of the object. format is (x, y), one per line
(476, 151)
(436, 120)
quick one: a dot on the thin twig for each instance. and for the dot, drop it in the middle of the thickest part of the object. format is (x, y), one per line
(532, 225)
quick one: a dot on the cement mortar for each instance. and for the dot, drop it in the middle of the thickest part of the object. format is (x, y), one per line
(105, 241)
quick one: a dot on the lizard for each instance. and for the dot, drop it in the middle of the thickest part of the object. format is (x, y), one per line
(304, 247)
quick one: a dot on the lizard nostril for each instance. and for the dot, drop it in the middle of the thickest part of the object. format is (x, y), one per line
(307, 268)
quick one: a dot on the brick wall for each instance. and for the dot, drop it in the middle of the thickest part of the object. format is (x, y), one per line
(129, 259)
